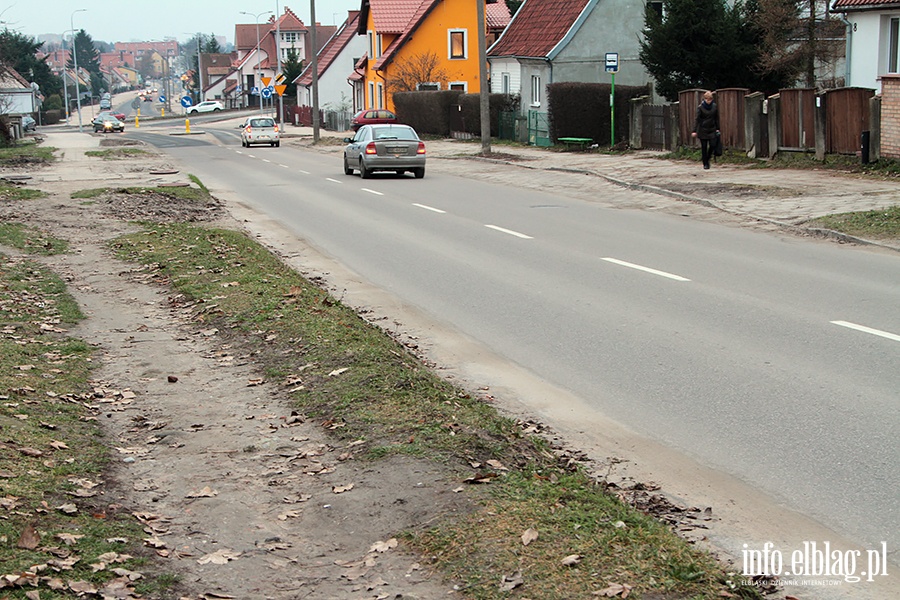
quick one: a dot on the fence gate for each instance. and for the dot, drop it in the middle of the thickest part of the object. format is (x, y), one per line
(654, 125)
(538, 129)
(507, 125)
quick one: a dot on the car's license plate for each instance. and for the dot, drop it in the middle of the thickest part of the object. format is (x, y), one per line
(396, 150)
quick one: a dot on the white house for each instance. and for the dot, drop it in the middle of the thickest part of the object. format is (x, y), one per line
(335, 62)
(873, 40)
(17, 96)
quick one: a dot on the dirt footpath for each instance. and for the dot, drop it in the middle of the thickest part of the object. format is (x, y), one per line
(238, 495)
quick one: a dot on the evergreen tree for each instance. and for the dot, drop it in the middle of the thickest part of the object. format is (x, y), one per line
(211, 45)
(291, 67)
(88, 55)
(20, 52)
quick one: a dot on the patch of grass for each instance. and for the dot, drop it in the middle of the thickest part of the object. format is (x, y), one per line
(358, 382)
(89, 194)
(116, 153)
(52, 457)
(870, 224)
(30, 240)
(199, 195)
(27, 154)
(15, 192)
(199, 184)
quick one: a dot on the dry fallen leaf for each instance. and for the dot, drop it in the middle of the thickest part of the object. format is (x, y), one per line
(380, 546)
(69, 509)
(571, 560)
(206, 492)
(615, 590)
(510, 582)
(29, 539)
(337, 372)
(219, 557)
(289, 515)
(69, 539)
(340, 489)
(529, 536)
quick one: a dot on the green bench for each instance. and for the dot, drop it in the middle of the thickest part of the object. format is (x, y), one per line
(581, 143)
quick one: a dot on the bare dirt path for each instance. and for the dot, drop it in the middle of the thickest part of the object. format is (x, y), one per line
(239, 496)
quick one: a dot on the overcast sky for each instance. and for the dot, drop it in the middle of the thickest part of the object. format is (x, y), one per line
(144, 20)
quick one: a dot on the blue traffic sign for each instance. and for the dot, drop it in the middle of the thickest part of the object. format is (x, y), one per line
(267, 92)
(186, 101)
(162, 98)
(254, 91)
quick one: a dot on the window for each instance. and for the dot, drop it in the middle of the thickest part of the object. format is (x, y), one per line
(535, 90)
(656, 7)
(371, 39)
(457, 42)
(371, 94)
(504, 83)
(289, 37)
(380, 97)
(459, 86)
(379, 48)
(428, 87)
(894, 58)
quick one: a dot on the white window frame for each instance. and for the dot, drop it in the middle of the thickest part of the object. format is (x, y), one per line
(505, 83)
(370, 35)
(465, 44)
(535, 90)
(894, 45)
(380, 95)
(379, 41)
(463, 84)
(289, 37)
(371, 103)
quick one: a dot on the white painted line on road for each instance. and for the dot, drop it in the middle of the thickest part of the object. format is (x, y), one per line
(431, 208)
(333, 180)
(266, 160)
(251, 156)
(285, 166)
(510, 232)
(372, 192)
(864, 329)
(645, 269)
(302, 171)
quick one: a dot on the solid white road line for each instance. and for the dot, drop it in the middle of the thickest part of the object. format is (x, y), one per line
(372, 191)
(864, 329)
(431, 208)
(333, 180)
(645, 269)
(510, 232)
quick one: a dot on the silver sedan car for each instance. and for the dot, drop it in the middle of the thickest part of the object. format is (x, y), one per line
(394, 148)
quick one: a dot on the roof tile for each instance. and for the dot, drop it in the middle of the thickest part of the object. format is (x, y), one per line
(538, 26)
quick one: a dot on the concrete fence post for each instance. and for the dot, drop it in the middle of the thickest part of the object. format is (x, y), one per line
(820, 125)
(636, 116)
(773, 109)
(875, 128)
(753, 107)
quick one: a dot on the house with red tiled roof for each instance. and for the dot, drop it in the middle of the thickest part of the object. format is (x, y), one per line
(566, 40)
(257, 49)
(873, 40)
(335, 63)
(421, 45)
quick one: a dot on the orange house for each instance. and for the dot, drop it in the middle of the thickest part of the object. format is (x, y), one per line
(421, 45)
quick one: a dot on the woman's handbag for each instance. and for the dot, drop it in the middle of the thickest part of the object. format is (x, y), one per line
(717, 145)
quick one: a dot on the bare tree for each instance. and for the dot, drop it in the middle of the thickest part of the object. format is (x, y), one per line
(406, 75)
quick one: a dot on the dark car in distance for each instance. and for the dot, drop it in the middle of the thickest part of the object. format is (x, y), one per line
(106, 123)
(372, 117)
(384, 147)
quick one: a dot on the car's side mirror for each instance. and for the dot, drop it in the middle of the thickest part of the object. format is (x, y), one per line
(348, 140)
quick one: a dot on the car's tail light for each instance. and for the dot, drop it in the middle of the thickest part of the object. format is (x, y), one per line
(248, 129)
(421, 149)
(276, 129)
(370, 148)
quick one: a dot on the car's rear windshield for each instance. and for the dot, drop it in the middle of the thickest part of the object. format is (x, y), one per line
(262, 123)
(395, 133)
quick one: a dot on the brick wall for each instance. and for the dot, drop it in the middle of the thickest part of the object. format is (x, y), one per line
(890, 116)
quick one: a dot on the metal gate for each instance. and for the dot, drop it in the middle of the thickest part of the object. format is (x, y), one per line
(507, 125)
(654, 125)
(538, 129)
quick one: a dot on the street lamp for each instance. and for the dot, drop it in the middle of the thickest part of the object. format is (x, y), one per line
(258, 73)
(65, 74)
(75, 60)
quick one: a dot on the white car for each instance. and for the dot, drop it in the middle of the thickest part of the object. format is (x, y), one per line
(260, 130)
(208, 106)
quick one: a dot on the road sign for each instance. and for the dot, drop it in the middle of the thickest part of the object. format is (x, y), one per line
(162, 98)
(279, 89)
(136, 103)
(186, 101)
(266, 81)
(612, 62)
(267, 92)
(254, 91)
(239, 89)
(279, 78)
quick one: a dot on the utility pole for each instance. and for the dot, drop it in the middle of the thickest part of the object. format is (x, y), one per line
(484, 93)
(315, 73)
(75, 60)
(278, 62)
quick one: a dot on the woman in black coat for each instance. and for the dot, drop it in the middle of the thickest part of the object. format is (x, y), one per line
(706, 126)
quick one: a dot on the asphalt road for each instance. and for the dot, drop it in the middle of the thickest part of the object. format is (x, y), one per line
(775, 360)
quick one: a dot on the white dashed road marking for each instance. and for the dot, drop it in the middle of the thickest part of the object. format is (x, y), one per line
(864, 329)
(645, 269)
(510, 232)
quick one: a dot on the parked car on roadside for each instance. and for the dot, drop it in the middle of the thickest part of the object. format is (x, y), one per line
(107, 123)
(120, 116)
(372, 117)
(260, 130)
(28, 123)
(394, 148)
(208, 106)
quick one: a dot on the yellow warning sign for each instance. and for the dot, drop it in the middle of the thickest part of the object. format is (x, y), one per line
(279, 89)
(279, 78)
(266, 81)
